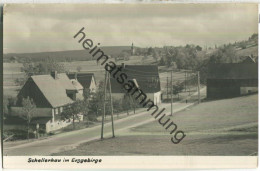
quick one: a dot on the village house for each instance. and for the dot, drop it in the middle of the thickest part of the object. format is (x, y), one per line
(145, 76)
(228, 80)
(87, 80)
(51, 95)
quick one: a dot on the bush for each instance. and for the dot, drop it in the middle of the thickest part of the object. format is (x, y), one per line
(18, 134)
(50, 133)
(42, 131)
(92, 117)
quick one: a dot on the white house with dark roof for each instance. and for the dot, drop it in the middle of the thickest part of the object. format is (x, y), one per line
(51, 94)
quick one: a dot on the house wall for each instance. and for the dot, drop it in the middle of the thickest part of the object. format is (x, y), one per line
(222, 88)
(79, 95)
(52, 126)
(39, 112)
(157, 98)
(56, 122)
(227, 88)
(248, 90)
(15, 126)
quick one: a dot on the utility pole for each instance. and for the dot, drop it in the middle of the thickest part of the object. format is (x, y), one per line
(111, 104)
(198, 87)
(185, 83)
(189, 77)
(107, 80)
(103, 116)
(167, 89)
(171, 95)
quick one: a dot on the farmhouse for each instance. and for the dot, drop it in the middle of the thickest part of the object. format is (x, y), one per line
(145, 76)
(87, 80)
(232, 79)
(51, 94)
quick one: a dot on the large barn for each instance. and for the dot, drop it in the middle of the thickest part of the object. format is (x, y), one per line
(147, 78)
(228, 80)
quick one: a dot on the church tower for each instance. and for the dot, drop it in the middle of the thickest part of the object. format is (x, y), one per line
(132, 49)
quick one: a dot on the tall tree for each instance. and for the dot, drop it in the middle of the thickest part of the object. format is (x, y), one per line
(150, 51)
(155, 55)
(29, 109)
(72, 111)
(44, 67)
(96, 101)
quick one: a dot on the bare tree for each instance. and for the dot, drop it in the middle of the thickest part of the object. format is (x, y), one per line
(79, 68)
(29, 109)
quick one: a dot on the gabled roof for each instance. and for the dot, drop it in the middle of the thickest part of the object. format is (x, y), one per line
(54, 90)
(248, 59)
(233, 71)
(83, 78)
(146, 76)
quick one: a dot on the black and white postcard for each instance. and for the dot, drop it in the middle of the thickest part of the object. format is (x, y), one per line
(130, 85)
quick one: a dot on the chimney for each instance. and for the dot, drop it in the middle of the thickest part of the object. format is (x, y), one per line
(30, 74)
(54, 74)
(76, 76)
(123, 65)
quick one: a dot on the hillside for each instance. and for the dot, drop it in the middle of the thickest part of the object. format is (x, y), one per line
(75, 55)
(248, 51)
(210, 130)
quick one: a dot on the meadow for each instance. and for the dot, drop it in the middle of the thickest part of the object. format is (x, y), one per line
(224, 127)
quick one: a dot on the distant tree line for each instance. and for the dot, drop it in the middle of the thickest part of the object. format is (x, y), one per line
(42, 67)
(193, 57)
(182, 57)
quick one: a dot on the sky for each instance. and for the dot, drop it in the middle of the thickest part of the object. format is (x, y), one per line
(51, 27)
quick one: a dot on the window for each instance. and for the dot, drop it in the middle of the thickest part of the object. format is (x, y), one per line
(56, 111)
(61, 109)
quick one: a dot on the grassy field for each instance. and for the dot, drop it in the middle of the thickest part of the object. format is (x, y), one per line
(223, 127)
(248, 51)
(11, 71)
